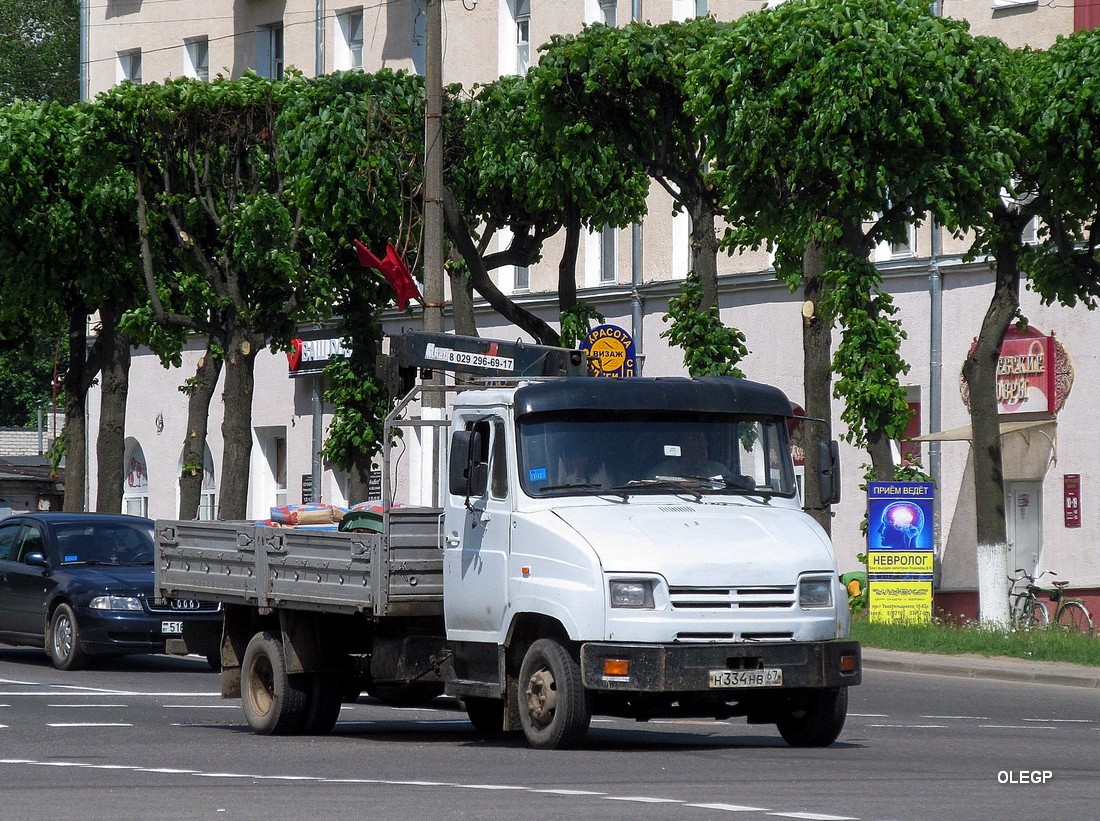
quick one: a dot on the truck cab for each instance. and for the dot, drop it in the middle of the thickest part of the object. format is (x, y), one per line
(644, 540)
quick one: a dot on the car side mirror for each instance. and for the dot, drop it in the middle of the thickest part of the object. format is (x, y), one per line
(828, 472)
(36, 560)
(468, 475)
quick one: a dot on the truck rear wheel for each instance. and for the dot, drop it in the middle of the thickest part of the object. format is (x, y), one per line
(554, 708)
(486, 714)
(814, 718)
(274, 701)
(324, 697)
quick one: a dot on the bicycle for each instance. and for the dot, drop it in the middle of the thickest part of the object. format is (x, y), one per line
(1027, 609)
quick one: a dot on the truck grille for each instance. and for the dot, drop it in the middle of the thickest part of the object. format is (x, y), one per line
(732, 598)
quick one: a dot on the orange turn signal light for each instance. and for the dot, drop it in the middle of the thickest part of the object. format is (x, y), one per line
(616, 667)
(849, 663)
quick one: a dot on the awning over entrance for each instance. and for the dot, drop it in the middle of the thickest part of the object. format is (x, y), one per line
(966, 433)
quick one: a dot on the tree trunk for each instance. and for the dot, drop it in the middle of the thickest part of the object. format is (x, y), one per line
(567, 267)
(483, 283)
(76, 397)
(200, 392)
(817, 337)
(462, 300)
(980, 376)
(882, 457)
(240, 362)
(114, 387)
(704, 250)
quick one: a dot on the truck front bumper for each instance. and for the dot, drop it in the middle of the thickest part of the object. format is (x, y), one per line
(671, 668)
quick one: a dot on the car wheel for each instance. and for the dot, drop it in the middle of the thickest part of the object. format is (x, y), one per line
(63, 640)
(274, 701)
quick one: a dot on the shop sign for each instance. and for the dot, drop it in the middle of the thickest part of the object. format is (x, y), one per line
(308, 356)
(900, 556)
(1071, 499)
(611, 352)
(1033, 374)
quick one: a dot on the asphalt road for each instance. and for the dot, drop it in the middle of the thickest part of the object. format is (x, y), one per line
(151, 738)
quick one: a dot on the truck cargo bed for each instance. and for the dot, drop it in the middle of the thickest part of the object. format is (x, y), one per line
(395, 573)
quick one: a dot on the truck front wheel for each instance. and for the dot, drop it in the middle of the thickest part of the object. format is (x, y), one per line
(554, 710)
(814, 718)
(274, 701)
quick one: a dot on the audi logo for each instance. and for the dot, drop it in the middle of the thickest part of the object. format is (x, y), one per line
(185, 604)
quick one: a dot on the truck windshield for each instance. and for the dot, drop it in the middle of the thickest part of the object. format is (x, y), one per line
(561, 455)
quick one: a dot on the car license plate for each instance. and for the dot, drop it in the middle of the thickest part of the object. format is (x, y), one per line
(768, 677)
(170, 627)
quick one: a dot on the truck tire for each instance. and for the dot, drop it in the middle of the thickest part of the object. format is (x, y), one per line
(554, 710)
(324, 698)
(486, 714)
(815, 718)
(274, 701)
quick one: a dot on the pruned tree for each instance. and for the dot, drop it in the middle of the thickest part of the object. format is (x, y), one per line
(834, 125)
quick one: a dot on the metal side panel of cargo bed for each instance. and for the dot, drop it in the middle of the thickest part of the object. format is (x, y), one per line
(397, 573)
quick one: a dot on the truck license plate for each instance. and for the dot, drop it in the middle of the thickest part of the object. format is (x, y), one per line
(768, 677)
(171, 627)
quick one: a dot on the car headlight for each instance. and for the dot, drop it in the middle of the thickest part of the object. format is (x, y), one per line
(632, 593)
(116, 603)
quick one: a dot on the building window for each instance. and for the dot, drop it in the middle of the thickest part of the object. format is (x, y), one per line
(420, 37)
(197, 58)
(687, 9)
(521, 280)
(609, 13)
(1030, 234)
(909, 451)
(269, 51)
(608, 266)
(135, 481)
(908, 246)
(349, 41)
(523, 35)
(129, 66)
(702, 8)
(209, 487)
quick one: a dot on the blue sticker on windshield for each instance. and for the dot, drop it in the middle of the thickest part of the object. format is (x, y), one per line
(537, 474)
(71, 558)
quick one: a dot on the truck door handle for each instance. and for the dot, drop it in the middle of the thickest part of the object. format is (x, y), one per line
(452, 540)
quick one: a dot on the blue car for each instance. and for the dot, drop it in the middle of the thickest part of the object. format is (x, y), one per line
(81, 584)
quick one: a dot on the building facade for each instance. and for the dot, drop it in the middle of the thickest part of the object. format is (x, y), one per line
(629, 275)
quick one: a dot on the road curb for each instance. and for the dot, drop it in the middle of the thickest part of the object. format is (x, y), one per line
(972, 666)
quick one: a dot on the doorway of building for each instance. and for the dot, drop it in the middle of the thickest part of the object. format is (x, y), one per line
(1023, 521)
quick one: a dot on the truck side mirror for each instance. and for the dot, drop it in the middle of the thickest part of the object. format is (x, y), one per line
(468, 474)
(828, 472)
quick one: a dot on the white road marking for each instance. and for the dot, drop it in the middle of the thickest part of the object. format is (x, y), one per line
(802, 816)
(729, 807)
(1014, 727)
(957, 718)
(910, 726)
(91, 724)
(84, 706)
(641, 799)
(202, 706)
(1062, 720)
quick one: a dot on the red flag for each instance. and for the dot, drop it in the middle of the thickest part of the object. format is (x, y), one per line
(394, 269)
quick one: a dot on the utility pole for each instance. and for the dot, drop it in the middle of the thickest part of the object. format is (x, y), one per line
(432, 400)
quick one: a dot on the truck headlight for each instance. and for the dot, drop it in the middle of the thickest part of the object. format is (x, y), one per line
(115, 603)
(632, 593)
(815, 592)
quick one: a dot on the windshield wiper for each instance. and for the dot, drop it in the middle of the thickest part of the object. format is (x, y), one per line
(571, 486)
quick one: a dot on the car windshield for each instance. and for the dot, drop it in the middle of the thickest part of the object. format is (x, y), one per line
(115, 543)
(654, 452)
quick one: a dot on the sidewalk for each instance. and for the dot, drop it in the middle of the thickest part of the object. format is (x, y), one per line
(970, 666)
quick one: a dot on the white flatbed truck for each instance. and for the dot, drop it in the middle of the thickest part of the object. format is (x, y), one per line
(576, 564)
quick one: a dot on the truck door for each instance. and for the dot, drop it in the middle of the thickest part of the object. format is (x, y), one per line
(476, 541)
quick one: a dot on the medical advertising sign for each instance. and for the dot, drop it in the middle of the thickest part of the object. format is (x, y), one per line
(900, 554)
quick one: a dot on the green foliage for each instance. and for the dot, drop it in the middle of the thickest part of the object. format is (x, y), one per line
(867, 360)
(26, 374)
(710, 348)
(576, 323)
(945, 637)
(39, 50)
(359, 405)
(1063, 120)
